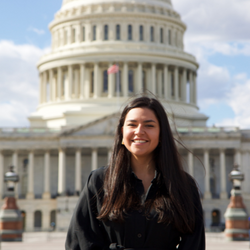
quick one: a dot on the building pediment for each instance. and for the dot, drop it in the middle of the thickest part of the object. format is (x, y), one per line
(103, 126)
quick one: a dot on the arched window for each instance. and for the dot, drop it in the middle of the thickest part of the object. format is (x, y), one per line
(141, 33)
(94, 33)
(92, 82)
(130, 81)
(144, 83)
(215, 218)
(172, 84)
(118, 32)
(53, 219)
(105, 81)
(161, 35)
(169, 37)
(37, 220)
(130, 37)
(73, 35)
(83, 34)
(23, 214)
(151, 33)
(106, 32)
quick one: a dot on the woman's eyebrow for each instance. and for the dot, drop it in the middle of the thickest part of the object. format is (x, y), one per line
(146, 121)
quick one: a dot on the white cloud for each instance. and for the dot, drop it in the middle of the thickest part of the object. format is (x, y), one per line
(19, 82)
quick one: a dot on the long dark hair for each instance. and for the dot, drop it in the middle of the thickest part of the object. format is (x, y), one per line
(173, 201)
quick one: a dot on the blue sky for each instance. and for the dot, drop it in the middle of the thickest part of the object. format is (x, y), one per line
(217, 34)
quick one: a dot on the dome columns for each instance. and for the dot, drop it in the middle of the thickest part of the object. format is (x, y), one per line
(89, 80)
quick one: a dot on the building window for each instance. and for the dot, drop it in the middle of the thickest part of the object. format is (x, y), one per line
(94, 32)
(144, 84)
(151, 33)
(130, 32)
(106, 32)
(92, 82)
(64, 83)
(73, 35)
(141, 33)
(118, 32)
(130, 81)
(37, 220)
(172, 84)
(161, 35)
(169, 37)
(83, 34)
(215, 218)
(105, 81)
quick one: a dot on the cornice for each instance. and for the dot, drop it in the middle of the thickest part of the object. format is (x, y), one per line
(97, 10)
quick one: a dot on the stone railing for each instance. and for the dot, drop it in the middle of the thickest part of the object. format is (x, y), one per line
(185, 130)
(29, 130)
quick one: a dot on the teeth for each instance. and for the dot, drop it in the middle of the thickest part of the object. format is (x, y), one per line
(139, 141)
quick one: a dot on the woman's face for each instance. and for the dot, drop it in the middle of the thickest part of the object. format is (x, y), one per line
(141, 131)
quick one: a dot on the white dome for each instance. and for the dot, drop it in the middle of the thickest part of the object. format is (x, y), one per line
(145, 37)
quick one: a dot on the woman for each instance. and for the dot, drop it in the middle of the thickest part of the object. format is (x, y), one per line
(143, 199)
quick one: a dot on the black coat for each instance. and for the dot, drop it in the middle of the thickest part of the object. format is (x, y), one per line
(88, 233)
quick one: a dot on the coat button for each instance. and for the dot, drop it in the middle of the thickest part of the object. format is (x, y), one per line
(139, 235)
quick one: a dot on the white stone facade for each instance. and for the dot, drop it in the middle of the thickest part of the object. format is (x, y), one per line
(72, 131)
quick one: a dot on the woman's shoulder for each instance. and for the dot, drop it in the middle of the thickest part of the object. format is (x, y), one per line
(96, 177)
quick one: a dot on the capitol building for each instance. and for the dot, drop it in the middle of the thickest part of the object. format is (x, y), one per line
(72, 130)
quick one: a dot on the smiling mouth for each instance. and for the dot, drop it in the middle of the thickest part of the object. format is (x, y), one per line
(139, 141)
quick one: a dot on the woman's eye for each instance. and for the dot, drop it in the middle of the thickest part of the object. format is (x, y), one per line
(131, 125)
(150, 126)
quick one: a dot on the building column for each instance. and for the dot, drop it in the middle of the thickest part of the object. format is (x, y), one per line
(111, 85)
(50, 85)
(30, 194)
(237, 157)
(153, 80)
(125, 79)
(195, 89)
(110, 151)
(45, 220)
(46, 193)
(59, 83)
(69, 83)
(1, 174)
(82, 81)
(166, 87)
(41, 88)
(61, 172)
(44, 87)
(191, 163)
(96, 80)
(191, 87)
(207, 194)
(184, 86)
(78, 172)
(223, 193)
(139, 74)
(94, 159)
(176, 83)
(159, 83)
(76, 84)
(15, 165)
(29, 223)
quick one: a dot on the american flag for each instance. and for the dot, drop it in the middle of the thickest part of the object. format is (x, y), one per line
(113, 69)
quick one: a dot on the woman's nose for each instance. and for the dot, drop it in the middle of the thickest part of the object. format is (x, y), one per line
(139, 129)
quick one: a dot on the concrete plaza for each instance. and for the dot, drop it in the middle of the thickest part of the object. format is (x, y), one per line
(55, 241)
